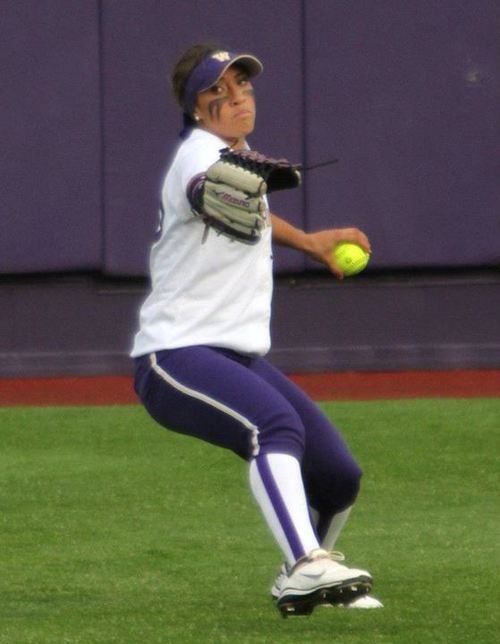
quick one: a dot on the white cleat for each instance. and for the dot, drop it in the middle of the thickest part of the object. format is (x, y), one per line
(319, 579)
(279, 582)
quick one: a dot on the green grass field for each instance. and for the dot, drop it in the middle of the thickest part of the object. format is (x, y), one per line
(113, 530)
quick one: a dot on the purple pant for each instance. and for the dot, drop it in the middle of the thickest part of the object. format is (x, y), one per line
(248, 406)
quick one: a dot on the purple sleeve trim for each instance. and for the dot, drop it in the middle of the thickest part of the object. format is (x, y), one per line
(194, 192)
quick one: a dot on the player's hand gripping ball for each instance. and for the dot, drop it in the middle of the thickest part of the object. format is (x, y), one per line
(351, 258)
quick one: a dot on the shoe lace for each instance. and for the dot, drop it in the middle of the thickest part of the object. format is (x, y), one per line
(334, 555)
(320, 553)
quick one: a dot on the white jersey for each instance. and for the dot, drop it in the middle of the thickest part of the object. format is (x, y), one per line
(206, 289)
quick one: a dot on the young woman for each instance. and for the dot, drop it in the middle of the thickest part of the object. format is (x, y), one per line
(204, 332)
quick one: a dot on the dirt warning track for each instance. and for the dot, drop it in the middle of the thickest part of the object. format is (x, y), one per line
(118, 390)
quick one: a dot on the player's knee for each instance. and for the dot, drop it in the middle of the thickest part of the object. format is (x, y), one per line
(339, 490)
(350, 486)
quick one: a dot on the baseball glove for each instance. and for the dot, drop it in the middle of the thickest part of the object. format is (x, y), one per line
(278, 174)
(231, 200)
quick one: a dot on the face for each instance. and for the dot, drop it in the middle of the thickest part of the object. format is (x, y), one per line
(228, 108)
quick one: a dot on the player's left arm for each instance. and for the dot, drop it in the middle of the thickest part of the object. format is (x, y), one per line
(317, 245)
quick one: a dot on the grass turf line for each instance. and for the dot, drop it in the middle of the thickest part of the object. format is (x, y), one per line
(113, 530)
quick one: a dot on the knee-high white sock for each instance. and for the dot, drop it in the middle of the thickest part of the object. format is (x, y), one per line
(334, 529)
(276, 482)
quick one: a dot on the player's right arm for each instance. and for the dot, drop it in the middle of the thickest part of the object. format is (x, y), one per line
(317, 245)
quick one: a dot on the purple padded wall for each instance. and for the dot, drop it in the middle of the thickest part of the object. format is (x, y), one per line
(407, 96)
(50, 192)
(141, 42)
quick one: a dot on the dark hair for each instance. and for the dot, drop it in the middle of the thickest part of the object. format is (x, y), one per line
(185, 65)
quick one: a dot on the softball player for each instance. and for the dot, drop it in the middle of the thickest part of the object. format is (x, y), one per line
(204, 332)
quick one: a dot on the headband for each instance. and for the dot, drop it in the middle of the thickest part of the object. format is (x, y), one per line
(209, 71)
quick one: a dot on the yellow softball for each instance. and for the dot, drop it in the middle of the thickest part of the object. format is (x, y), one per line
(351, 258)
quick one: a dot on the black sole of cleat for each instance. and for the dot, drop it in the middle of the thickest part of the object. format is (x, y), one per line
(347, 592)
(341, 594)
(301, 604)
